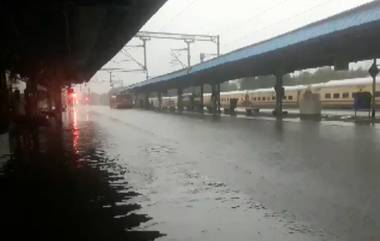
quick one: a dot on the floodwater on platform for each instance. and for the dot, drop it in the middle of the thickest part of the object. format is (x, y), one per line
(68, 188)
(230, 178)
(190, 177)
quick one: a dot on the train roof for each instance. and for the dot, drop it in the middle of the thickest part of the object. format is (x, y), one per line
(270, 90)
(234, 92)
(346, 82)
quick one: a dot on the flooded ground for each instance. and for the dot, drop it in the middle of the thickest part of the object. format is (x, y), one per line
(68, 189)
(234, 178)
(187, 177)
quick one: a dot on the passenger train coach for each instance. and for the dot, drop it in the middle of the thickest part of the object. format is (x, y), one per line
(338, 94)
(335, 94)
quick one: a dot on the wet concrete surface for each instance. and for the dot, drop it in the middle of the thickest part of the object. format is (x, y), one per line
(188, 177)
(68, 189)
(249, 179)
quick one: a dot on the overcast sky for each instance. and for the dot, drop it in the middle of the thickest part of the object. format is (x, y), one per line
(238, 22)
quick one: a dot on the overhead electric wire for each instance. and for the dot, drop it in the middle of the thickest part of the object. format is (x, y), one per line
(262, 13)
(177, 15)
(280, 21)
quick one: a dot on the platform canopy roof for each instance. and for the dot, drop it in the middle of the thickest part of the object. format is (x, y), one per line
(350, 36)
(67, 40)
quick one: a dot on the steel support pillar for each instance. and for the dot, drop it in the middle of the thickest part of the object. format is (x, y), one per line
(179, 100)
(201, 104)
(214, 98)
(146, 101)
(3, 80)
(159, 95)
(50, 96)
(57, 95)
(218, 97)
(31, 98)
(374, 71)
(4, 103)
(279, 96)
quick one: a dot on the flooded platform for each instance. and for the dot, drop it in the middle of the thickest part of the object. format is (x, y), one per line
(68, 189)
(140, 175)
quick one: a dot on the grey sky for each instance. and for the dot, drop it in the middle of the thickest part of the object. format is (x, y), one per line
(238, 22)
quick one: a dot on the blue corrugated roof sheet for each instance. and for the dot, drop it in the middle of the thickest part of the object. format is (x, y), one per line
(353, 18)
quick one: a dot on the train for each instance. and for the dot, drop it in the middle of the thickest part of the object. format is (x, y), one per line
(334, 94)
(121, 101)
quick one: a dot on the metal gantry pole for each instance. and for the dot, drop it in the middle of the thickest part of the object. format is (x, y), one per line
(188, 55)
(218, 45)
(145, 58)
(111, 84)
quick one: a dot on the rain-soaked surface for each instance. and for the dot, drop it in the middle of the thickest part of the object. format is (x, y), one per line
(186, 177)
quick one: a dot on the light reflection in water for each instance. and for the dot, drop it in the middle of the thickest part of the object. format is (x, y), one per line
(75, 131)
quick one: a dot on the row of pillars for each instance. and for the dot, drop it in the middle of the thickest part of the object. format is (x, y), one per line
(279, 89)
(215, 98)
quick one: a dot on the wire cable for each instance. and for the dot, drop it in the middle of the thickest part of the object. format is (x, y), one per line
(280, 21)
(262, 13)
(177, 15)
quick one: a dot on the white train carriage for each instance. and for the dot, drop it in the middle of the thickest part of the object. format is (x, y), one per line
(341, 93)
(188, 101)
(266, 98)
(169, 103)
(333, 94)
(207, 101)
(232, 99)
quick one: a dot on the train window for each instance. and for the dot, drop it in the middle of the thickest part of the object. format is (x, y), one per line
(273, 97)
(336, 95)
(328, 96)
(377, 94)
(290, 97)
(263, 98)
(284, 97)
(345, 95)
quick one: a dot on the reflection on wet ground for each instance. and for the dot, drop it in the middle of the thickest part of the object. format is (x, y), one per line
(249, 179)
(69, 190)
(137, 175)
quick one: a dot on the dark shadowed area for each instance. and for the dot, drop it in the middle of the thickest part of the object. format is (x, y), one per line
(68, 189)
